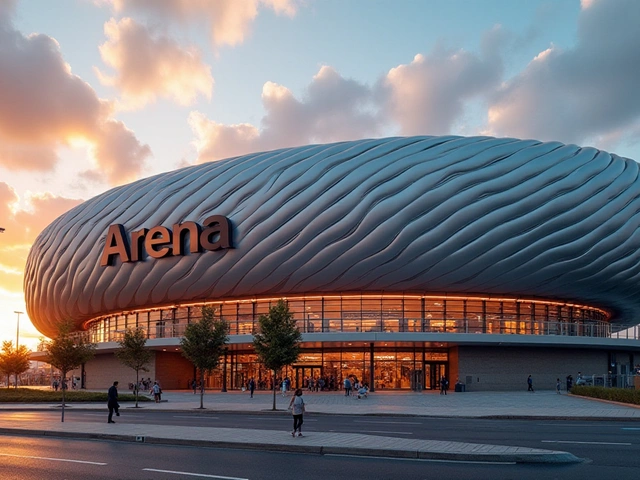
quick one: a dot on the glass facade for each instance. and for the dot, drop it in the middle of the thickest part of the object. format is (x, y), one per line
(373, 313)
(325, 369)
(324, 365)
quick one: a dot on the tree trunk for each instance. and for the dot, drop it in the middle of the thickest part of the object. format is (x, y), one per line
(64, 375)
(16, 377)
(275, 387)
(201, 389)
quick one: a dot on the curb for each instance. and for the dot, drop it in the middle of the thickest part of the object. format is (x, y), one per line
(211, 411)
(549, 457)
(603, 400)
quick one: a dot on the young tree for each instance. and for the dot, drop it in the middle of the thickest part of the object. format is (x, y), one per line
(66, 353)
(5, 361)
(134, 354)
(14, 361)
(278, 341)
(203, 343)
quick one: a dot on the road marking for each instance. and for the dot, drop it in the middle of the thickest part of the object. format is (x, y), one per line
(195, 416)
(278, 419)
(432, 460)
(103, 414)
(53, 459)
(630, 428)
(192, 474)
(398, 423)
(372, 431)
(584, 443)
(574, 425)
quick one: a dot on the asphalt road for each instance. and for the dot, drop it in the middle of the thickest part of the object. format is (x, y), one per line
(37, 458)
(604, 443)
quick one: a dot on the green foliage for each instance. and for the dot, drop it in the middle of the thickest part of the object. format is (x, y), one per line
(31, 395)
(277, 343)
(14, 361)
(204, 343)
(623, 395)
(134, 354)
(66, 352)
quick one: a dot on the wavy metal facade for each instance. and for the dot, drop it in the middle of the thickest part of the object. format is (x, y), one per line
(418, 214)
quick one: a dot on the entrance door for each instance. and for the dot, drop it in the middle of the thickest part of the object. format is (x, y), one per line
(433, 371)
(303, 374)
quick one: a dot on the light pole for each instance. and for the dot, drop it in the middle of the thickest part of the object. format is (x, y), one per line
(18, 329)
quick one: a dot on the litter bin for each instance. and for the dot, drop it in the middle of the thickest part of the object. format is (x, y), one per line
(460, 387)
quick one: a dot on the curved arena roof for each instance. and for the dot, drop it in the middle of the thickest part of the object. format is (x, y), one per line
(418, 214)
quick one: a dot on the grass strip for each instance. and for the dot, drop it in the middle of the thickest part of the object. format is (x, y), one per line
(30, 395)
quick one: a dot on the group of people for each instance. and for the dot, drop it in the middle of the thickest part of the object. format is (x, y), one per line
(64, 384)
(569, 383)
(142, 386)
(353, 386)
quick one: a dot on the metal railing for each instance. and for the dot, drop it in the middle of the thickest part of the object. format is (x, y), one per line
(610, 381)
(631, 333)
(176, 328)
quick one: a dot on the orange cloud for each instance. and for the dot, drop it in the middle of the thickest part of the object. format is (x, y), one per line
(229, 20)
(44, 106)
(148, 67)
(21, 229)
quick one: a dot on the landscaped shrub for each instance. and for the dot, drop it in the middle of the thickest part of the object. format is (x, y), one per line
(624, 395)
(30, 395)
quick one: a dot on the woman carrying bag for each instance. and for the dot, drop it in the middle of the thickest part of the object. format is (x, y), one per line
(297, 408)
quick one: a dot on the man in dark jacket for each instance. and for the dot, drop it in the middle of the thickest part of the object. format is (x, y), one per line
(112, 402)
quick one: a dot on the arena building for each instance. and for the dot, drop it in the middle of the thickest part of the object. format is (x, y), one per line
(403, 260)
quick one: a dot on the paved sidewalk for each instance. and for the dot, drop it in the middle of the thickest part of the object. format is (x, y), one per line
(473, 404)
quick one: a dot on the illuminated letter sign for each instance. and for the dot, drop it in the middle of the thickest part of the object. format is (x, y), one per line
(159, 242)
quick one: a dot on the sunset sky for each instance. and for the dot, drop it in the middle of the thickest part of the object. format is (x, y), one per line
(97, 93)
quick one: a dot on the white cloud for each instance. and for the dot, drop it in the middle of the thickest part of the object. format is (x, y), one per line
(148, 66)
(229, 21)
(582, 93)
(333, 109)
(428, 95)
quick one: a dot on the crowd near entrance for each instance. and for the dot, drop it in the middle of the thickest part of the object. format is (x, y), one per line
(325, 370)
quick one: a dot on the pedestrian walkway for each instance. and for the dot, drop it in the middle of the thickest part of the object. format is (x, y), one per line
(471, 405)
(541, 404)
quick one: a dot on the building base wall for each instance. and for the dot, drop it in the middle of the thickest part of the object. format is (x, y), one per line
(102, 370)
(499, 368)
(173, 371)
(478, 367)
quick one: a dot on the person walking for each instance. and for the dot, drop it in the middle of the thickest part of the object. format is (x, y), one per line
(444, 384)
(297, 409)
(156, 392)
(530, 384)
(558, 386)
(347, 387)
(252, 386)
(112, 402)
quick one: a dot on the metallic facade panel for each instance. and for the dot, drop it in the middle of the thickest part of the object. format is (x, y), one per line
(417, 214)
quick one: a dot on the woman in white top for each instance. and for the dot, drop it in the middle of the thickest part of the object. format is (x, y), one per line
(297, 408)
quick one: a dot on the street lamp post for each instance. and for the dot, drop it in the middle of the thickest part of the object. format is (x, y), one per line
(18, 329)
